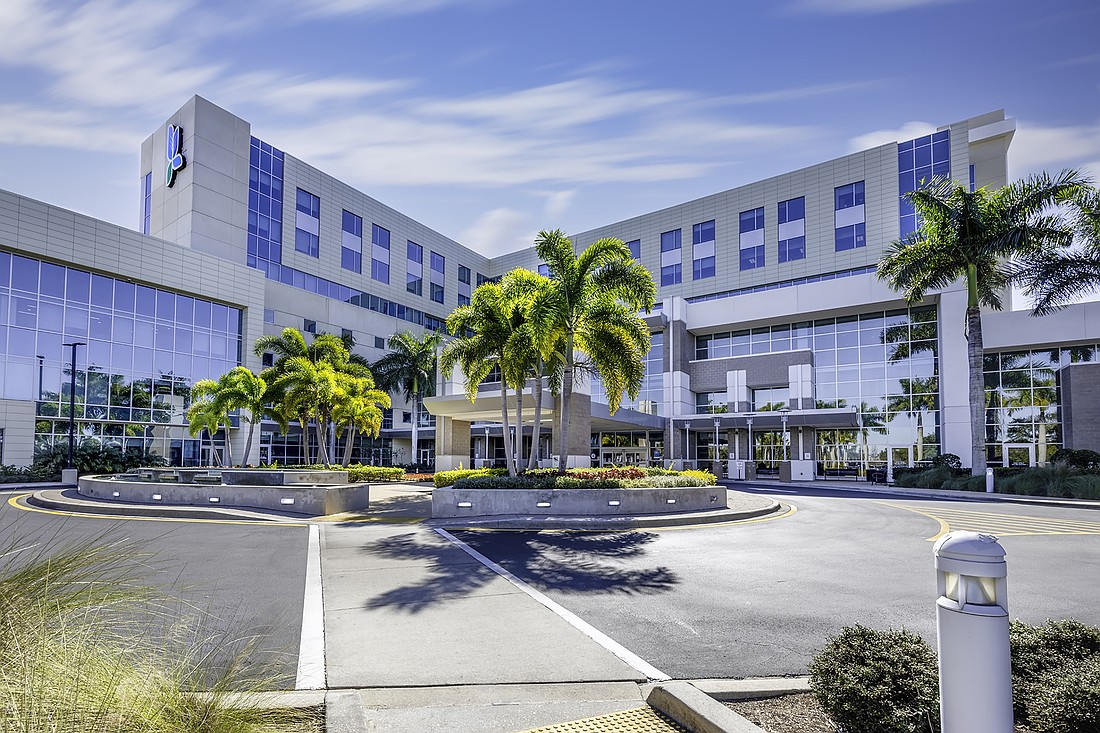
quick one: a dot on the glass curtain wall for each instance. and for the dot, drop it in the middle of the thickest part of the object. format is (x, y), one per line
(144, 348)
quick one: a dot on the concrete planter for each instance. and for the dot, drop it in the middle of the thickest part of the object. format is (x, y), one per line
(451, 502)
(300, 499)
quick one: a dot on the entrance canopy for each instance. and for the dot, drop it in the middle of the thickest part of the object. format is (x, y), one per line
(486, 407)
(824, 419)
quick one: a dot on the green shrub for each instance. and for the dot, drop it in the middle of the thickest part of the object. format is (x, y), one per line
(949, 460)
(92, 456)
(584, 479)
(27, 474)
(871, 681)
(447, 478)
(1079, 458)
(707, 478)
(1054, 480)
(668, 482)
(1085, 486)
(1041, 654)
(1067, 699)
(934, 478)
(358, 473)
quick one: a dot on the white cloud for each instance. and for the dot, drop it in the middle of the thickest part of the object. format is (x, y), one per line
(794, 94)
(303, 95)
(1036, 147)
(378, 7)
(908, 131)
(23, 124)
(834, 7)
(557, 203)
(498, 231)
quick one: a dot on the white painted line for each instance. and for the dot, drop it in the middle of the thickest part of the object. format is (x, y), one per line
(572, 619)
(311, 652)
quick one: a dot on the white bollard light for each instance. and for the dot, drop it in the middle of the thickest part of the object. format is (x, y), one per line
(989, 480)
(972, 634)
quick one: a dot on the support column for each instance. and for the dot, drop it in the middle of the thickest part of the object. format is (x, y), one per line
(452, 444)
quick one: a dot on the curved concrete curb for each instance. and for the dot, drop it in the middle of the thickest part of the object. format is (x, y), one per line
(604, 523)
(69, 501)
(697, 711)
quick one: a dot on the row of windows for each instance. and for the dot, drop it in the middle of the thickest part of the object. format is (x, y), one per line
(849, 225)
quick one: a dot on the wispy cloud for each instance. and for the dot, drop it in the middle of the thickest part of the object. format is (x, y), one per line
(1036, 147)
(23, 124)
(795, 94)
(381, 7)
(499, 231)
(873, 139)
(864, 7)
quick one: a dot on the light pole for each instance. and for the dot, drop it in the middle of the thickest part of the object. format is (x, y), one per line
(748, 423)
(487, 459)
(783, 411)
(717, 421)
(72, 402)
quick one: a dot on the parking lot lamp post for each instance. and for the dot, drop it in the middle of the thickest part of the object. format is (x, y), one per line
(717, 421)
(783, 411)
(748, 423)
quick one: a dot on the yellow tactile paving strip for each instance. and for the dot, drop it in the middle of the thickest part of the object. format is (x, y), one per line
(639, 720)
(1002, 525)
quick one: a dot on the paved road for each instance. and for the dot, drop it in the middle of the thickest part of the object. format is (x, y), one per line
(759, 598)
(234, 580)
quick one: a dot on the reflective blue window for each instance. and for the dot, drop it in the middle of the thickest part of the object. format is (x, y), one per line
(307, 224)
(919, 162)
(792, 229)
(751, 238)
(438, 265)
(351, 242)
(147, 201)
(635, 247)
(850, 217)
(414, 277)
(265, 204)
(380, 254)
(544, 270)
(702, 250)
(671, 265)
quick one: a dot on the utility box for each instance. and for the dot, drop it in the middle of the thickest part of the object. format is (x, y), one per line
(796, 471)
(737, 470)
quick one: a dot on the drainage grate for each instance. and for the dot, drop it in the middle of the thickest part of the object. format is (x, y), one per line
(639, 720)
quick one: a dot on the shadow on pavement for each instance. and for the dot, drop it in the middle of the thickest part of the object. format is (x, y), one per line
(558, 561)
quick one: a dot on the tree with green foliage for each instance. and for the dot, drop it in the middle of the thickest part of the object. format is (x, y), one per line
(409, 369)
(207, 414)
(360, 409)
(591, 313)
(243, 390)
(975, 236)
(1055, 278)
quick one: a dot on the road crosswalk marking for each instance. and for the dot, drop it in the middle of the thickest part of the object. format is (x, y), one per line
(1002, 525)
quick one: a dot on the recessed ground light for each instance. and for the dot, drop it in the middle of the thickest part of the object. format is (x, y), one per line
(464, 505)
(713, 498)
(214, 500)
(670, 501)
(613, 502)
(542, 504)
(156, 497)
(286, 501)
(114, 493)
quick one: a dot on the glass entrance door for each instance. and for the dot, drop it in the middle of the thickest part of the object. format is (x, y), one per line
(1019, 455)
(768, 451)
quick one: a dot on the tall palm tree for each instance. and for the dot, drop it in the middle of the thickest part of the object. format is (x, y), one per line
(409, 369)
(592, 311)
(482, 333)
(244, 390)
(359, 409)
(205, 417)
(1054, 278)
(210, 407)
(975, 236)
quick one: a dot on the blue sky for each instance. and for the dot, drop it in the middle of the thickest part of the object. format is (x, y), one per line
(491, 119)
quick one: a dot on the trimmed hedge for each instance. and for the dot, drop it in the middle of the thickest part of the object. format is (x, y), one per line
(871, 681)
(447, 478)
(630, 477)
(357, 472)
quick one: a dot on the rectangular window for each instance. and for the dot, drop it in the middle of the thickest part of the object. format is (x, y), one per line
(307, 224)
(147, 201)
(380, 254)
(269, 315)
(751, 238)
(919, 161)
(463, 285)
(712, 402)
(770, 399)
(437, 275)
(379, 342)
(971, 179)
(702, 250)
(414, 270)
(265, 208)
(635, 247)
(671, 258)
(351, 244)
(544, 269)
(481, 279)
(792, 229)
(851, 231)
(309, 326)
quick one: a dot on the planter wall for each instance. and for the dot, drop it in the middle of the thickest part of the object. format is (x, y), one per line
(453, 502)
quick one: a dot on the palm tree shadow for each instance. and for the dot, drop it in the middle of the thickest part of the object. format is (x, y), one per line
(570, 563)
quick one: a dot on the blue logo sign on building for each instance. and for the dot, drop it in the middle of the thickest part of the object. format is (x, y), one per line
(174, 153)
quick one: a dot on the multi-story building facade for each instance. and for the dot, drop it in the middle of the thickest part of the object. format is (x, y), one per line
(772, 337)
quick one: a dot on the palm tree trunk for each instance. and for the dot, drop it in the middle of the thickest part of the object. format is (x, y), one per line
(532, 462)
(504, 421)
(228, 444)
(566, 393)
(975, 353)
(415, 431)
(248, 445)
(920, 437)
(519, 428)
(347, 448)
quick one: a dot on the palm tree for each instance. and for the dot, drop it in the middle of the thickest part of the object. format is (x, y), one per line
(209, 410)
(359, 409)
(1054, 278)
(975, 236)
(248, 391)
(409, 369)
(592, 310)
(482, 333)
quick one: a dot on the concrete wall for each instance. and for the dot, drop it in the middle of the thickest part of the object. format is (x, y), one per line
(1080, 406)
(586, 502)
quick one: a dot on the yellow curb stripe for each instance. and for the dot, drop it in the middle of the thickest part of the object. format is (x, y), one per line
(1005, 525)
(16, 503)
